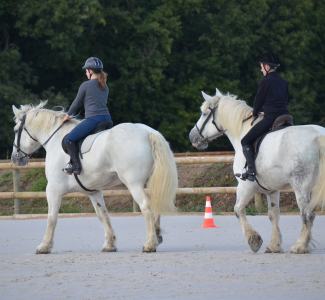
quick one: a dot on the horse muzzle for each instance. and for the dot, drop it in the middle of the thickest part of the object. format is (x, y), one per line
(197, 141)
(19, 159)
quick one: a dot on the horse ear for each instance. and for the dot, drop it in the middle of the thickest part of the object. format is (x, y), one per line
(206, 96)
(218, 93)
(42, 104)
(15, 110)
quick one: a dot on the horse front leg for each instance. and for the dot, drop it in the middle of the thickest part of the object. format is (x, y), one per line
(245, 193)
(54, 202)
(274, 214)
(98, 202)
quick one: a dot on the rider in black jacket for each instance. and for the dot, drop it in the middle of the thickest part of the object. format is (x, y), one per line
(271, 101)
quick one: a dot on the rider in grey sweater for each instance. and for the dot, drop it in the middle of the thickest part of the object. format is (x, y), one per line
(92, 96)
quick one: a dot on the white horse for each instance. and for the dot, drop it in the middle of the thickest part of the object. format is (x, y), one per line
(292, 157)
(132, 154)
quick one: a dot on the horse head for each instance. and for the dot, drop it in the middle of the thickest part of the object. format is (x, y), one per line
(25, 141)
(206, 128)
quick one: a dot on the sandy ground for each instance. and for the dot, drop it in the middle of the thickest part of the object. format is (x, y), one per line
(192, 263)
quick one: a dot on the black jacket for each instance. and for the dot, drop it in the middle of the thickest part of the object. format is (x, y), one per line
(272, 95)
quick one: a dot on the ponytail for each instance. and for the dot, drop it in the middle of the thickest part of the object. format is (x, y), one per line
(102, 79)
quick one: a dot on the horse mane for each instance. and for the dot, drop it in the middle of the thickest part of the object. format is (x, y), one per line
(231, 112)
(42, 117)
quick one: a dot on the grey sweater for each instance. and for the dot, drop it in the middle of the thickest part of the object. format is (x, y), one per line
(92, 97)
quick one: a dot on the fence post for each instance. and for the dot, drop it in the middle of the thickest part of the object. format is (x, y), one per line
(16, 185)
(259, 205)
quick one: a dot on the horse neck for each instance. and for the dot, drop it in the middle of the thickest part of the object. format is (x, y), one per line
(42, 129)
(231, 114)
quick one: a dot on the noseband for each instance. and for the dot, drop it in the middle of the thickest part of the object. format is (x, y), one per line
(19, 132)
(211, 114)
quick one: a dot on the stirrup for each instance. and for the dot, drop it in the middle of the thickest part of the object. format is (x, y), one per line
(69, 169)
(246, 176)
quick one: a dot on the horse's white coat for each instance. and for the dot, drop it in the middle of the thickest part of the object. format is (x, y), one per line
(291, 157)
(132, 154)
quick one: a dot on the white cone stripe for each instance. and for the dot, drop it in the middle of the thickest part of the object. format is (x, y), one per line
(208, 204)
(208, 215)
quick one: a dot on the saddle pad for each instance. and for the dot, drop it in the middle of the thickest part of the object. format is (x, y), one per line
(88, 142)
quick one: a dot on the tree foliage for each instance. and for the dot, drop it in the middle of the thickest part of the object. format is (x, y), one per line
(159, 55)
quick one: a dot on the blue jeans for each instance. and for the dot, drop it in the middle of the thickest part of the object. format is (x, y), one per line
(86, 127)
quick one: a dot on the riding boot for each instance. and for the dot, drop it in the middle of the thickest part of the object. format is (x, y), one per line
(74, 166)
(250, 159)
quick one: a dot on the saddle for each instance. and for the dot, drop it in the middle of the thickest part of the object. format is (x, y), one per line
(279, 123)
(85, 144)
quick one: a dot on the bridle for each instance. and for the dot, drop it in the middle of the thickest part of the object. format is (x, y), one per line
(19, 132)
(211, 114)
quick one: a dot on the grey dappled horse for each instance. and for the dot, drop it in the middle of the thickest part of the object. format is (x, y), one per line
(292, 157)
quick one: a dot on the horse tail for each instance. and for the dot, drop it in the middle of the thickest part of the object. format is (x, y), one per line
(318, 192)
(163, 181)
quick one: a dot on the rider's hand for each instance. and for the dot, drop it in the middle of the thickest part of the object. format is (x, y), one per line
(66, 118)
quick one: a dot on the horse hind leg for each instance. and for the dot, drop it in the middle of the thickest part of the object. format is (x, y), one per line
(274, 213)
(98, 202)
(158, 229)
(152, 222)
(301, 246)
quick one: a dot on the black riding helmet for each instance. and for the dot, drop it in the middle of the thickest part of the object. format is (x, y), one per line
(93, 63)
(270, 59)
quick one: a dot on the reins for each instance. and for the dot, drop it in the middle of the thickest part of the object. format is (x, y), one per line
(249, 117)
(55, 131)
(246, 119)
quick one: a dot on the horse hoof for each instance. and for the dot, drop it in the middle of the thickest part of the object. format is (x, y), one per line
(299, 250)
(160, 239)
(255, 242)
(110, 249)
(42, 251)
(269, 250)
(148, 250)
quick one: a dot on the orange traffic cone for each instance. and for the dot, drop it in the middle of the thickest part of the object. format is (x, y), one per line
(208, 219)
